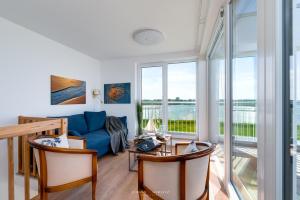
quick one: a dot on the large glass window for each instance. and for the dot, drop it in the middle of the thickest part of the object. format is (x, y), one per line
(169, 97)
(244, 95)
(152, 97)
(182, 97)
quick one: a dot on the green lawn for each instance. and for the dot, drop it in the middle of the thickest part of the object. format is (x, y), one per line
(187, 126)
(184, 126)
(241, 129)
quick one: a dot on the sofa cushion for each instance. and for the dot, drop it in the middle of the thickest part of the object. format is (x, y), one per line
(74, 133)
(95, 120)
(99, 141)
(77, 123)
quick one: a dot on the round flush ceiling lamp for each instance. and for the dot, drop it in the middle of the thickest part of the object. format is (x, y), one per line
(148, 36)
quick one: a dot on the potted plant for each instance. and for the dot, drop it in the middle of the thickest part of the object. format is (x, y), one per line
(139, 113)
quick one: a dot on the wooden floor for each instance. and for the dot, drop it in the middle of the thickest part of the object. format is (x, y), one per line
(115, 182)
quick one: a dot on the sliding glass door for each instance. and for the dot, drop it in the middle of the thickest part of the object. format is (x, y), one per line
(295, 94)
(292, 100)
(243, 99)
(168, 94)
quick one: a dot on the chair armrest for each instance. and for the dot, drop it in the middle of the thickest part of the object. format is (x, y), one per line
(180, 146)
(62, 150)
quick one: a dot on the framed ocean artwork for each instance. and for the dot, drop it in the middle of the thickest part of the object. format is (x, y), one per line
(66, 91)
(118, 93)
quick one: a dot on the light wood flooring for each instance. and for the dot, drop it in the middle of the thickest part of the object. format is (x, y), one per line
(115, 182)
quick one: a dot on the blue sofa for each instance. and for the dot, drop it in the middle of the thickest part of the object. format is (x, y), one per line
(91, 126)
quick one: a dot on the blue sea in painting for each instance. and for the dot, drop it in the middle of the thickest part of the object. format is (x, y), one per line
(118, 93)
(60, 96)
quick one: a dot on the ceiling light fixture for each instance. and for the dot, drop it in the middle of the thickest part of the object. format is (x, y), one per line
(148, 36)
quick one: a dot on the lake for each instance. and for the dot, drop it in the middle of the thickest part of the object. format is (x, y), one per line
(187, 111)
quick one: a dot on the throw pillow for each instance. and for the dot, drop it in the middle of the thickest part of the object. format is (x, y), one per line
(95, 120)
(59, 142)
(191, 148)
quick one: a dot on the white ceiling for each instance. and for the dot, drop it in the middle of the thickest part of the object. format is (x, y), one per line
(103, 28)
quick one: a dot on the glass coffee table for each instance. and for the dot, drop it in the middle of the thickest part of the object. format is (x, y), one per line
(160, 150)
(134, 152)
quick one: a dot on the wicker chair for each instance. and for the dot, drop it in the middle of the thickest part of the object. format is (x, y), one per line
(176, 177)
(62, 169)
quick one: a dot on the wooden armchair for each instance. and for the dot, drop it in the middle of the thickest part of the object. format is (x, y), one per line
(177, 177)
(62, 169)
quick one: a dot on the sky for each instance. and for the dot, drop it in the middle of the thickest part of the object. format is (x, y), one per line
(182, 80)
(244, 77)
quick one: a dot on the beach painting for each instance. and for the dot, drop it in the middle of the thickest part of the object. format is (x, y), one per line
(118, 93)
(66, 91)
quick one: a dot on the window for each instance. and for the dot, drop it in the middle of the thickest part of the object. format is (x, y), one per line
(169, 97)
(243, 99)
(152, 98)
(182, 97)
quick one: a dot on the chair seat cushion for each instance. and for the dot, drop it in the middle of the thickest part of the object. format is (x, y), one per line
(99, 141)
(95, 120)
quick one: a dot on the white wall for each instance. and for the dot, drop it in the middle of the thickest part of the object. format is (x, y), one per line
(27, 60)
(124, 70)
(120, 71)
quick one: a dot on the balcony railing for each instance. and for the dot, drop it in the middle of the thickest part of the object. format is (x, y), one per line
(243, 120)
(181, 116)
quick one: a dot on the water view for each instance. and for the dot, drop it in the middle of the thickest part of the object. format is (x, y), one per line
(182, 117)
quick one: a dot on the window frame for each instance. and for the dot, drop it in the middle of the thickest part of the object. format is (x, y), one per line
(217, 36)
(164, 65)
